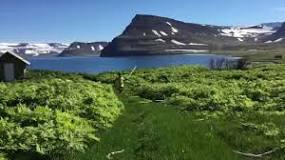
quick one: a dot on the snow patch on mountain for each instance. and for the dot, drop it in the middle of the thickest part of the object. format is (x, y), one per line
(156, 33)
(100, 47)
(160, 40)
(240, 39)
(184, 44)
(168, 23)
(174, 30)
(240, 32)
(163, 33)
(279, 40)
(197, 44)
(268, 42)
(177, 42)
(275, 41)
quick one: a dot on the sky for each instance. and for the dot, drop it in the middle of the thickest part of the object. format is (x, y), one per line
(101, 20)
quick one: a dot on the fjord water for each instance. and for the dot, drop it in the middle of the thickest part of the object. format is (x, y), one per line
(96, 64)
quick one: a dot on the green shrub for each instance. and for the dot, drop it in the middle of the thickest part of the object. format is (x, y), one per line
(2, 156)
(54, 116)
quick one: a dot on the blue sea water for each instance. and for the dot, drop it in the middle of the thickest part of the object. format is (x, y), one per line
(96, 64)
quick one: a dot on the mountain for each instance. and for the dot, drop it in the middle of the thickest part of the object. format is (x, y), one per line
(80, 49)
(281, 32)
(148, 34)
(274, 25)
(153, 34)
(33, 49)
(278, 36)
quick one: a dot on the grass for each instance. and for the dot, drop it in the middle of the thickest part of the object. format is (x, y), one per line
(157, 131)
(154, 131)
(148, 130)
(244, 137)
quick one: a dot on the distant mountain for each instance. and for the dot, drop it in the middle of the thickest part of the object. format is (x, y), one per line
(274, 25)
(80, 49)
(148, 34)
(153, 34)
(278, 36)
(281, 32)
(33, 49)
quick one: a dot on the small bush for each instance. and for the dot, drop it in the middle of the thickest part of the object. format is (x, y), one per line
(53, 116)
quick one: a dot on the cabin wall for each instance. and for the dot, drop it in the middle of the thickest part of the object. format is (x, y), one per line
(20, 70)
(1, 72)
(19, 66)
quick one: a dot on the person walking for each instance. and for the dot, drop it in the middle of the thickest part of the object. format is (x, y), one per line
(119, 83)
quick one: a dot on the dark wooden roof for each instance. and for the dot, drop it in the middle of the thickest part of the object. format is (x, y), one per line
(17, 56)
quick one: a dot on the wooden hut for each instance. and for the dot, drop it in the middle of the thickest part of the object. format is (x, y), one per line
(12, 67)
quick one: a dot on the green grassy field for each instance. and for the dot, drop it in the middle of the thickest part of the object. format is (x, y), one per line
(244, 108)
(174, 113)
(155, 131)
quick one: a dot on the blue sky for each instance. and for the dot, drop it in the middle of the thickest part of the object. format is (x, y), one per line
(102, 20)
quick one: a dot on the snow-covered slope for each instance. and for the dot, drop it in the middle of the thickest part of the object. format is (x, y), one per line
(257, 33)
(247, 32)
(33, 49)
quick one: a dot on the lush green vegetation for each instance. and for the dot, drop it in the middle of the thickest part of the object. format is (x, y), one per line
(245, 107)
(186, 112)
(52, 114)
(155, 131)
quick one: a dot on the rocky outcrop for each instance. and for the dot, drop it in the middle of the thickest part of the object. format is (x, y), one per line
(81, 49)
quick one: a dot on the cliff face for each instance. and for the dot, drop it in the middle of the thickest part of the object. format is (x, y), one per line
(149, 34)
(79, 49)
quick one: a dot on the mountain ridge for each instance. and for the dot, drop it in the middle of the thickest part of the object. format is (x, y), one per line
(149, 34)
(33, 49)
(81, 49)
